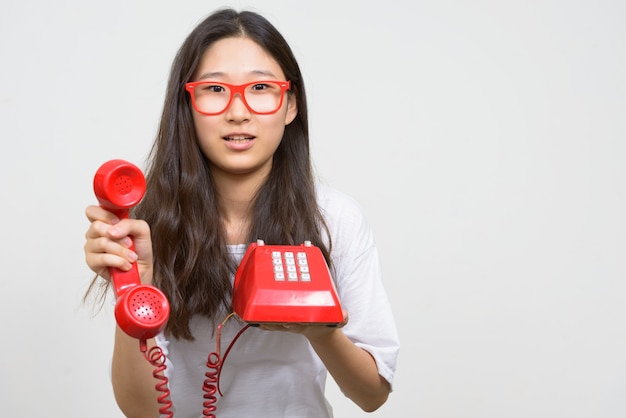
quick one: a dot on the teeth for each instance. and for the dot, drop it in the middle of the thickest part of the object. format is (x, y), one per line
(237, 138)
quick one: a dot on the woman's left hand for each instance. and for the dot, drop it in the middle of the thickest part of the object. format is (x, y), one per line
(308, 330)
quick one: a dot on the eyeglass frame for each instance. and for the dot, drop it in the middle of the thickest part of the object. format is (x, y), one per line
(234, 89)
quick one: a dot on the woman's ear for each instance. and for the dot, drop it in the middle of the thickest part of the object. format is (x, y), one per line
(292, 109)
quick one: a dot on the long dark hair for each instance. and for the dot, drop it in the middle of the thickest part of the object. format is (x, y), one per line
(192, 264)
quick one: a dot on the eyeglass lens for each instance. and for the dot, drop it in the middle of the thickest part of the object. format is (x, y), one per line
(262, 97)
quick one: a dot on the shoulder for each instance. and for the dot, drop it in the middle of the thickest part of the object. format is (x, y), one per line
(335, 203)
(332, 200)
(345, 217)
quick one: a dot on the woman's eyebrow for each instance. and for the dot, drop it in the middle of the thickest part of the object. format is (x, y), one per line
(211, 75)
(220, 74)
(264, 73)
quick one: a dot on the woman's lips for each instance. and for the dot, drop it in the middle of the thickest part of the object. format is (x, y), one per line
(239, 142)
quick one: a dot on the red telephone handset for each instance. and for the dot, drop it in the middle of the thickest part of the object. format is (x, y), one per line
(141, 310)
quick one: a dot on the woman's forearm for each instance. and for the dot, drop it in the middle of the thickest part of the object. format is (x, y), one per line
(354, 370)
(132, 378)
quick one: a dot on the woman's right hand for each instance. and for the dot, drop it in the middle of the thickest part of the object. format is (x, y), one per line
(108, 244)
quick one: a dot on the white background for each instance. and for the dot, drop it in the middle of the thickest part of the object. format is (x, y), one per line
(485, 139)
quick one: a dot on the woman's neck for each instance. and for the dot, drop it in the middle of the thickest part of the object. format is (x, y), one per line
(236, 196)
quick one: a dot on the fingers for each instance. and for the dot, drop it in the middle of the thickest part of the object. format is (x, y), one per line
(102, 252)
(309, 330)
(108, 241)
(96, 213)
(346, 319)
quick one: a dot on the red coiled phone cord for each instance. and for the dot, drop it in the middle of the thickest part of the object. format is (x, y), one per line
(156, 357)
(211, 384)
(214, 365)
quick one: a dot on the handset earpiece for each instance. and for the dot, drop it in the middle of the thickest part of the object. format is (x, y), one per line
(141, 310)
(119, 185)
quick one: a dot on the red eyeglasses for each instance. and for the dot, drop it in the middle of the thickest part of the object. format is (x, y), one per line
(260, 97)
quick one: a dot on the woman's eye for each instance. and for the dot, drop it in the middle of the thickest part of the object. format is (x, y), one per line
(211, 88)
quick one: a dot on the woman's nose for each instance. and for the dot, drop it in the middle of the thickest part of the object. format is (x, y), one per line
(238, 110)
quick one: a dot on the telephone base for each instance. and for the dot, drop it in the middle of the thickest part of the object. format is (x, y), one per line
(278, 284)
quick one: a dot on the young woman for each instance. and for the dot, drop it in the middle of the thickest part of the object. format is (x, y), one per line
(230, 165)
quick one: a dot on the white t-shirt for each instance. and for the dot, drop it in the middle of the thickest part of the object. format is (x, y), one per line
(277, 374)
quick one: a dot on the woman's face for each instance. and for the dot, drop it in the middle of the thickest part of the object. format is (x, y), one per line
(239, 141)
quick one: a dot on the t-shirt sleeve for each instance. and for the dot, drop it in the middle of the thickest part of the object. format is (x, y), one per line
(358, 276)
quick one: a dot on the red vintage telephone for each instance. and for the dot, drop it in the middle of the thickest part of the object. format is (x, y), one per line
(141, 310)
(281, 284)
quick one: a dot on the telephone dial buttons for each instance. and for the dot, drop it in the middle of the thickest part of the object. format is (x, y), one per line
(291, 266)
